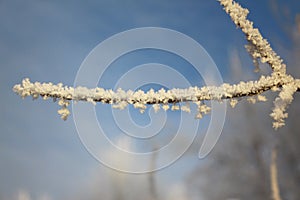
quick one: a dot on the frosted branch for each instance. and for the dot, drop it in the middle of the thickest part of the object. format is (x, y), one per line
(258, 48)
(139, 99)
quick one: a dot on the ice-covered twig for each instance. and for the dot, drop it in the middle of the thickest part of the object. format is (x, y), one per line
(259, 49)
(139, 99)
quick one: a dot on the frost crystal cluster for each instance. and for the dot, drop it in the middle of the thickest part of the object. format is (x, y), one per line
(259, 49)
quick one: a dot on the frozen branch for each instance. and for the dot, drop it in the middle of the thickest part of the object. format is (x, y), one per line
(139, 99)
(258, 48)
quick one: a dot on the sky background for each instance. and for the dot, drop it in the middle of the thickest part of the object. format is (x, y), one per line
(41, 155)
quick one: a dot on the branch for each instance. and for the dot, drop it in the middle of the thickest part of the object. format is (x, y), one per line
(120, 99)
(274, 176)
(258, 48)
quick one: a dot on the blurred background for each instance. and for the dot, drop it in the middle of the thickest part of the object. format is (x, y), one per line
(42, 157)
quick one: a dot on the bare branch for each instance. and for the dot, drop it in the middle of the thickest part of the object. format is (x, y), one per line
(274, 176)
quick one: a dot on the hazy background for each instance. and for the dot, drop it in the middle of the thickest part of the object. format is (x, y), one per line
(41, 156)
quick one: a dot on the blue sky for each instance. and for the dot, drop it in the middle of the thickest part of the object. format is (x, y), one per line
(48, 41)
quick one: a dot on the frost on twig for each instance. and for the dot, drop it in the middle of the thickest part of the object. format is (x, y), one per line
(139, 99)
(258, 48)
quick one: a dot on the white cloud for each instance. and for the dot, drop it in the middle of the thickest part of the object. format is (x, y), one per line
(177, 191)
(23, 195)
(44, 197)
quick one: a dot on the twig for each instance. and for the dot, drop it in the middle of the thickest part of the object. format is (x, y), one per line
(258, 48)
